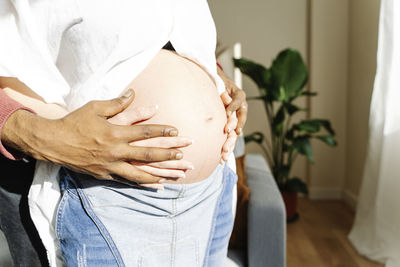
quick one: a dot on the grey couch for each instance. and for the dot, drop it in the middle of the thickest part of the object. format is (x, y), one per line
(266, 219)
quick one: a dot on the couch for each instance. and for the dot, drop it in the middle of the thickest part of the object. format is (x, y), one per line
(266, 233)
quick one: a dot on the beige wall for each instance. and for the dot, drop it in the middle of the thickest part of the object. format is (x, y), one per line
(343, 47)
(341, 39)
(329, 53)
(363, 34)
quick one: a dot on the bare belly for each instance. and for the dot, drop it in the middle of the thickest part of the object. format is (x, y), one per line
(187, 99)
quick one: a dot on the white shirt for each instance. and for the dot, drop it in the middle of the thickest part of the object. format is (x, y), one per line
(73, 51)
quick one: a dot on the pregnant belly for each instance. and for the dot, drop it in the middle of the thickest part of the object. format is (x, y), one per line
(187, 99)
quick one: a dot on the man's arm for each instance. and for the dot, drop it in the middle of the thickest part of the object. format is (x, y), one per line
(85, 141)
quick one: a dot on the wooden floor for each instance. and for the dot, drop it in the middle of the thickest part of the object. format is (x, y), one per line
(319, 237)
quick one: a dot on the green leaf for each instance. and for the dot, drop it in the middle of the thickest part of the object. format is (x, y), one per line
(278, 120)
(289, 72)
(295, 184)
(327, 139)
(302, 145)
(282, 94)
(257, 72)
(308, 126)
(313, 126)
(324, 123)
(291, 109)
(257, 137)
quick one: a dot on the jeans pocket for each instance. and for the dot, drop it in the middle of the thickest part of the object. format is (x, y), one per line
(60, 214)
(184, 252)
(81, 242)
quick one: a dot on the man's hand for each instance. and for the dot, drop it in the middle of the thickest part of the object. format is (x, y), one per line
(168, 169)
(236, 106)
(85, 141)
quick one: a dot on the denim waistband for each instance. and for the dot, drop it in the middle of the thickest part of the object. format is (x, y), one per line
(85, 181)
(104, 193)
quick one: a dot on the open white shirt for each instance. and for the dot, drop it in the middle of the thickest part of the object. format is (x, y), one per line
(70, 52)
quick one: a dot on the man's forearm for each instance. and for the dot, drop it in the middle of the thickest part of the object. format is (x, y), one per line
(7, 107)
(21, 132)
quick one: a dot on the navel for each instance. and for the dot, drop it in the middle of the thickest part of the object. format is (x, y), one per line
(209, 118)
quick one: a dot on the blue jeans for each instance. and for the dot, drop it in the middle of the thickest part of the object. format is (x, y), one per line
(103, 223)
(84, 241)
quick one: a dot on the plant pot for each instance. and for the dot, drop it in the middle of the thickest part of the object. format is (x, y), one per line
(290, 199)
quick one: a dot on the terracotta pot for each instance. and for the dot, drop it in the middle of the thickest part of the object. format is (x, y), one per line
(290, 199)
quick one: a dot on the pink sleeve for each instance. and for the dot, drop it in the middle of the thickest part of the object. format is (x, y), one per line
(7, 107)
(219, 65)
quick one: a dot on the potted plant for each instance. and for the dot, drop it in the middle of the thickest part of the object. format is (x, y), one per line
(279, 87)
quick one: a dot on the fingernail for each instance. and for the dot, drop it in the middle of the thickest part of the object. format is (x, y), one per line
(162, 181)
(179, 155)
(128, 93)
(182, 176)
(173, 132)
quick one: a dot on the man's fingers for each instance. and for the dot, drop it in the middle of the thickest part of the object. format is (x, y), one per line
(144, 131)
(126, 173)
(147, 154)
(173, 164)
(109, 108)
(164, 142)
(167, 173)
(133, 115)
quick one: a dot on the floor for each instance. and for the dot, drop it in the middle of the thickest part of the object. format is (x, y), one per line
(319, 237)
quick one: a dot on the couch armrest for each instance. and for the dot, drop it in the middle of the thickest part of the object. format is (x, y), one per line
(266, 216)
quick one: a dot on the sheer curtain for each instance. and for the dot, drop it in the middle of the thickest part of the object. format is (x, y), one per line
(376, 231)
